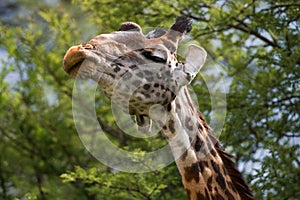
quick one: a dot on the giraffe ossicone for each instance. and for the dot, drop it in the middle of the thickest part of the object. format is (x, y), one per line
(141, 74)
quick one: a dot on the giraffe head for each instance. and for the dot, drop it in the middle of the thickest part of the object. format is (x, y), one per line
(137, 70)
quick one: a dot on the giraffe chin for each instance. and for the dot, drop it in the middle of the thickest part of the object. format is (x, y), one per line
(74, 70)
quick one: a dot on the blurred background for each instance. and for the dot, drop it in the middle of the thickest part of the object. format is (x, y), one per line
(255, 43)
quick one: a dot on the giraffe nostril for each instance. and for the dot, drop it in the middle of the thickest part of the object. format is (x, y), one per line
(87, 46)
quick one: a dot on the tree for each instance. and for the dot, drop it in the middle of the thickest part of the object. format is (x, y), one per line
(256, 43)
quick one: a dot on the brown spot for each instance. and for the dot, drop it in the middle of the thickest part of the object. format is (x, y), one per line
(203, 165)
(216, 189)
(218, 197)
(229, 195)
(220, 178)
(117, 68)
(184, 155)
(169, 107)
(221, 181)
(172, 126)
(173, 95)
(192, 172)
(133, 66)
(205, 125)
(146, 86)
(213, 152)
(201, 117)
(215, 166)
(209, 185)
(198, 143)
(200, 196)
(200, 127)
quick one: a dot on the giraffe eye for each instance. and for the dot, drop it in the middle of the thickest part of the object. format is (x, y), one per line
(154, 58)
(156, 55)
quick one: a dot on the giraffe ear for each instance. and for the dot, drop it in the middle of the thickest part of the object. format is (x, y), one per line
(195, 59)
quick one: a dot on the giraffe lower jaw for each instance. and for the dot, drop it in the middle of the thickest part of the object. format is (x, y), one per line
(73, 70)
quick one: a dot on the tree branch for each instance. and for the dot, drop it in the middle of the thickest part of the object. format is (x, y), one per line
(246, 29)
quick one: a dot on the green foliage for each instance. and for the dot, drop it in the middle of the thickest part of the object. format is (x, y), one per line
(119, 185)
(254, 43)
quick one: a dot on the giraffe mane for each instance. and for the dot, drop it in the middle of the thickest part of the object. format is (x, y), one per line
(237, 179)
(236, 176)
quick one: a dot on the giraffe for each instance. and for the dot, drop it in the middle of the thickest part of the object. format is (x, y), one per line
(159, 80)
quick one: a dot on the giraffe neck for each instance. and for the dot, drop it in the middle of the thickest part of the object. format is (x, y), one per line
(199, 158)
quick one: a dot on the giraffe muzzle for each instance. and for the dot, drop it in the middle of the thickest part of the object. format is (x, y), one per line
(73, 59)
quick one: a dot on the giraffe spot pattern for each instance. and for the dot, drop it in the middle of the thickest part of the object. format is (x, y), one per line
(203, 164)
(160, 93)
(172, 126)
(184, 154)
(200, 196)
(127, 76)
(229, 195)
(136, 83)
(117, 68)
(192, 173)
(220, 178)
(198, 143)
(146, 86)
(133, 67)
(200, 127)
(169, 107)
(149, 78)
(209, 183)
(207, 194)
(213, 152)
